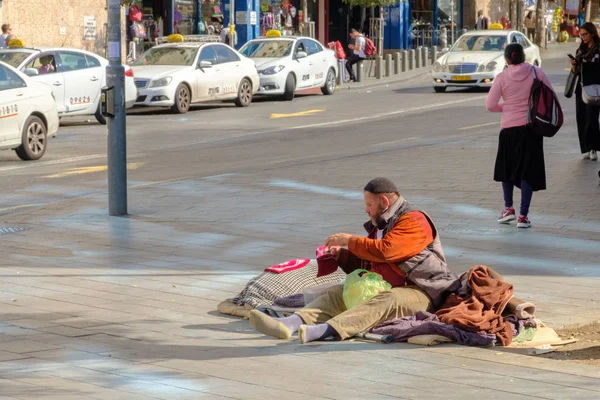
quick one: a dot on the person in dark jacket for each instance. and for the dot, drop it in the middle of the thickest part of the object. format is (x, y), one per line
(587, 65)
(402, 245)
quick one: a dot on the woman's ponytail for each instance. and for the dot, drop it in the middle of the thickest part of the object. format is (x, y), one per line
(514, 53)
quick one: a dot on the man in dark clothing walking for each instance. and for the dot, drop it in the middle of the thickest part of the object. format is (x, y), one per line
(358, 53)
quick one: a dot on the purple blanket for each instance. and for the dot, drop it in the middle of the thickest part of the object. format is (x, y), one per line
(424, 323)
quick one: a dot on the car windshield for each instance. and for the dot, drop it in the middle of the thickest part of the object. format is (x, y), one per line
(13, 58)
(480, 43)
(168, 56)
(267, 48)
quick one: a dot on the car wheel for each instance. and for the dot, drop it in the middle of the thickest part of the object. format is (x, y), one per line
(244, 94)
(439, 89)
(329, 87)
(99, 117)
(290, 88)
(182, 99)
(34, 140)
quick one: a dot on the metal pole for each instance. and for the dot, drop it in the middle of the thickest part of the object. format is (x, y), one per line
(231, 23)
(117, 145)
(452, 21)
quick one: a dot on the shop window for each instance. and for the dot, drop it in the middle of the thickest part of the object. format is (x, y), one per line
(185, 16)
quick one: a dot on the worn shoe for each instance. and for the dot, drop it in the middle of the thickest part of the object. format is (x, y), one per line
(593, 155)
(523, 222)
(586, 156)
(507, 215)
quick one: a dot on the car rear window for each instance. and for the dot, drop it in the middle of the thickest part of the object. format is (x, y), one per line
(14, 58)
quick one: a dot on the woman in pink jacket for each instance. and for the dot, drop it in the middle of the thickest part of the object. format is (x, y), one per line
(520, 158)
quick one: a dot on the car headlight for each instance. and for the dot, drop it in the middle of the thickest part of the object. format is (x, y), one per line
(445, 68)
(161, 82)
(272, 70)
(437, 67)
(481, 68)
(491, 66)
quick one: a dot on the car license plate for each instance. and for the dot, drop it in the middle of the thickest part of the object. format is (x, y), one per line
(461, 78)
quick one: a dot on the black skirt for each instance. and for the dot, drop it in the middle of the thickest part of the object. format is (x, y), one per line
(520, 157)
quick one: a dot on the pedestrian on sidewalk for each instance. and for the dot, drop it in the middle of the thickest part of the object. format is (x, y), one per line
(6, 30)
(358, 53)
(520, 158)
(587, 66)
(400, 239)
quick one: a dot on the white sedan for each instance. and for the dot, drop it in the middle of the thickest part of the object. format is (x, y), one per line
(28, 114)
(477, 58)
(289, 64)
(177, 75)
(75, 76)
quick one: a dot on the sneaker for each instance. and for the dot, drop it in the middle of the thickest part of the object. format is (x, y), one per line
(508, 214)
(593, 155)
(586, 156)
(523, 222)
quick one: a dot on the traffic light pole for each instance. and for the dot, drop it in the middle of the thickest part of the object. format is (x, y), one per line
(117, 148)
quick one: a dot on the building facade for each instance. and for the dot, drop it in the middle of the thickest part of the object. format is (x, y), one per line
(61, 23)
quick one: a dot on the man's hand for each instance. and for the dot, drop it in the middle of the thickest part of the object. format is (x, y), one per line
(334, 251)
(351, 46)
(339, 239)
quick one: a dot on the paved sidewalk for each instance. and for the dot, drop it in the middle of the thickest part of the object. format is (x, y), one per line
(124, 308)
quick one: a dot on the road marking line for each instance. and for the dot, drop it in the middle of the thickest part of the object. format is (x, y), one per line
(477, 126)
(296, 114)
(54, 162)
(88, 170)
(141, 185)
(393, 142)
(22, 206)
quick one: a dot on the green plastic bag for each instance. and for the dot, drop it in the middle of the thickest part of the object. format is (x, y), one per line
(361, 286)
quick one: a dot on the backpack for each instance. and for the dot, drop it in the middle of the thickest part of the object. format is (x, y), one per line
(544, 116)
(370, 49)
(138, 30)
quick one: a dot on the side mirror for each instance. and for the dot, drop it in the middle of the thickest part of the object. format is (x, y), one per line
(301, 54)
(31, 72)
(205, 64)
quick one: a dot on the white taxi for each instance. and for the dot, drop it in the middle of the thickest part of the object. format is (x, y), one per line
(288, 64)
(477, 58)
(177, 75)
(75, 76)
(28, 114)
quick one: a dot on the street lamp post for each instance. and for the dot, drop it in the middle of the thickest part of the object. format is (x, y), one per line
(116, 146)
(452, 21)
(231, 23)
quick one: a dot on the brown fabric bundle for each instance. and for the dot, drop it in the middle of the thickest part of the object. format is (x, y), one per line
(482, 311)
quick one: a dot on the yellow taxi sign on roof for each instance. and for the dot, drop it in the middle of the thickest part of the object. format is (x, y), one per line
(16, 43)
(496, 26)
(273, 33)
(175, 38)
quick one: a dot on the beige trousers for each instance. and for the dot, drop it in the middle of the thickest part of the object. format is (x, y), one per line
(329, 307)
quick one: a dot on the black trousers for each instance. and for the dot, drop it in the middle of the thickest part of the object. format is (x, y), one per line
(588, 126)
(353, 59)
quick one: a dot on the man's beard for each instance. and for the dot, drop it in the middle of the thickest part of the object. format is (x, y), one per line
(380, 211)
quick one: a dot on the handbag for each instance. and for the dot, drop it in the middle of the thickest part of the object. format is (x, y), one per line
(570, 85)
(135, 14)
(590, 94)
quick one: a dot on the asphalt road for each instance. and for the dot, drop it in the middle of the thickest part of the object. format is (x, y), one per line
(221, 138)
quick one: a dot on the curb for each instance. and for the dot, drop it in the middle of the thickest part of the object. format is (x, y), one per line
(380, 82)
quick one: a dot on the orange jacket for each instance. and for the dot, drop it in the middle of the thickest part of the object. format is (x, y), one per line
(410, 236)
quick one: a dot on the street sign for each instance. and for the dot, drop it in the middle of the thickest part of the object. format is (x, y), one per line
(89, 28)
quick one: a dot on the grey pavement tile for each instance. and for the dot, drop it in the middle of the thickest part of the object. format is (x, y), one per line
(26, 346)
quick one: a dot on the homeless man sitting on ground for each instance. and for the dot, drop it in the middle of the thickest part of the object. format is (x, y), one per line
(403, 246)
